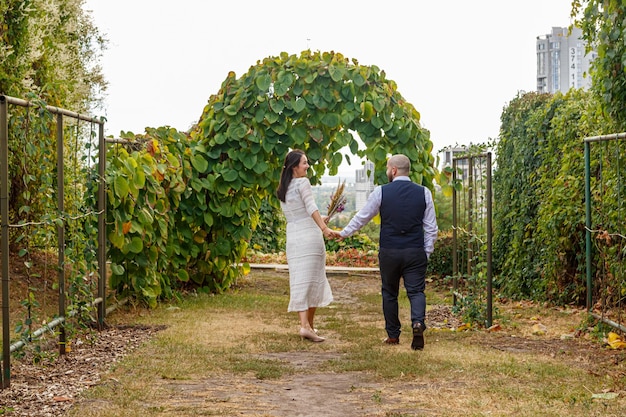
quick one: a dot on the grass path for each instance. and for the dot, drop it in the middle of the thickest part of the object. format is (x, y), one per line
(238, 354)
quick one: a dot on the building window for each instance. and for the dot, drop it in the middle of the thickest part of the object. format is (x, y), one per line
(556, 71)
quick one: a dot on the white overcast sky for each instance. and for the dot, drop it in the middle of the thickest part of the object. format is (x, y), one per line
(459, 62)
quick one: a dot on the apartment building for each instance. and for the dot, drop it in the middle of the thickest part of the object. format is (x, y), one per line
(562, 62)
(363, 184)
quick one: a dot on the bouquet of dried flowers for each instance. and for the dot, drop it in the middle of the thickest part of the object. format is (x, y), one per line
(337, 200)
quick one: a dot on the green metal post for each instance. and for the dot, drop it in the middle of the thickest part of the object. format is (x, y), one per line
(455, 254)
(489, 244)
(5, 377)
(588, 223)
(61, 230)
(101, 225)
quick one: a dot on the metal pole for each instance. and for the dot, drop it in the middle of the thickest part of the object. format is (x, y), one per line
(455, 260)
(52, 109)
(61, 230)
(602, 138)
(101, 226)
(470, 214)
(588, 223)
(489, 246)
(5, 377)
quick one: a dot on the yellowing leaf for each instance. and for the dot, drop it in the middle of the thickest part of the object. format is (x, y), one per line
(463, 327)
(199, 236)
(612, 336)
(615, 341)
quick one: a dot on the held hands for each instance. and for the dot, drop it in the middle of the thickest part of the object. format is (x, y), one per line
(332, 234)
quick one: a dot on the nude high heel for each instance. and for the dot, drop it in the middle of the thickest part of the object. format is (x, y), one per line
(309, 334)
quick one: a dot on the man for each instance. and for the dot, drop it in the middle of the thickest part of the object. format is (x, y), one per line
(408, 231)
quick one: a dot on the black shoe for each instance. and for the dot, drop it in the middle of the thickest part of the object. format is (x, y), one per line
(418, 336)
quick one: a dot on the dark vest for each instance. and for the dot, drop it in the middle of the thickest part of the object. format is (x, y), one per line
(401, 214)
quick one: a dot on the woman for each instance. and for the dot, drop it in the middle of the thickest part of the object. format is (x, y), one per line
(306, 253)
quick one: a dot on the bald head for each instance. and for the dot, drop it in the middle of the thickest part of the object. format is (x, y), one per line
(401, 163)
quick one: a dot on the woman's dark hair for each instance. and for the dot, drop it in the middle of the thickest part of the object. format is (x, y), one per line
(292, 160)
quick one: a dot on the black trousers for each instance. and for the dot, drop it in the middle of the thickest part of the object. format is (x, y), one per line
(409, 264)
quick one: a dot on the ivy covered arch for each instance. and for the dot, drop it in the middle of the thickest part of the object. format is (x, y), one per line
(312, 102)
(204, 188)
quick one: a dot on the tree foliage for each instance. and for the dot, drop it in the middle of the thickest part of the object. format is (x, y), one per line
(50, 48)
(603, 23)
(48, 55)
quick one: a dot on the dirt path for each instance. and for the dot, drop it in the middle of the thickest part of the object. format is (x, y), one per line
(51, 390)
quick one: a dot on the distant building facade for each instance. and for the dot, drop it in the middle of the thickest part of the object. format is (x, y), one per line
(363, 184)
(561, 61)
(448, 156)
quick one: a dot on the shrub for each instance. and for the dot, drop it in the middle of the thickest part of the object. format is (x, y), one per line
(440, 261)
(359, 241)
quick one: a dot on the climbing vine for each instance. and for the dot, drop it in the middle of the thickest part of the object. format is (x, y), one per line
(209, 185)
(539, 214)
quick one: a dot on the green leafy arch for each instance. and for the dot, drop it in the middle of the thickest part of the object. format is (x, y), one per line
(205, 187)
(313, 102)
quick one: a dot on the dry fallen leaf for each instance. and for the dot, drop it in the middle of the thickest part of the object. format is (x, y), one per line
(615, 341)
(463, 327)
(494, 328)
(539, 329)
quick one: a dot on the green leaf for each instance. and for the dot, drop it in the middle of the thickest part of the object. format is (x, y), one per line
(121, 187)
(116, 239)
(380, 154)
(223, 246)
(230, 175)
(208, 219)
(139, 179)
(299, 105)
(117, 269)
(331, 120)
(231, 110)
(135, 245)
(261, 167)
(298, 134)
(316, 135)
(336, 72)
(263, 82)
(358, 80)
(249, 160)
(183, 276)
(277, 106)
(199, 163)
(144, 216)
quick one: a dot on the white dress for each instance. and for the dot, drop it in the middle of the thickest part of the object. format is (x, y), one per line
(306, 253)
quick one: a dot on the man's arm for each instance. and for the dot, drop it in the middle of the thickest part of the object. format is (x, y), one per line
(430, 223)
(369, 210)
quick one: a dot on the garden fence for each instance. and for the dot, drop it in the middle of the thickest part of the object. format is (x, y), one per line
(63, 219)
(472, 237)
(605, 228)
